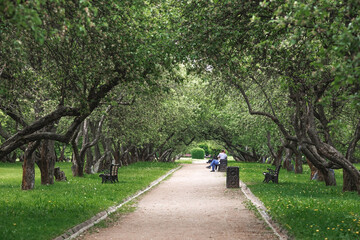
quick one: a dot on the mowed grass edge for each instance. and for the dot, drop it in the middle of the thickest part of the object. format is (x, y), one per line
(49, 210)
(307, 209)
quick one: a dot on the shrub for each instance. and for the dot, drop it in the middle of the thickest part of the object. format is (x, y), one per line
(197, 153)
(205, 147)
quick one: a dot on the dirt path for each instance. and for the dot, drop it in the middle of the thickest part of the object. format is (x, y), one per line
(192, 204)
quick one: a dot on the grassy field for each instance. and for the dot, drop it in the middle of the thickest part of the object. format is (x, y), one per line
(307, 209)
(184, 160)
(48, 211)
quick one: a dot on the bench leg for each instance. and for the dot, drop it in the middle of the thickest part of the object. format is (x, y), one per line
(267, 178)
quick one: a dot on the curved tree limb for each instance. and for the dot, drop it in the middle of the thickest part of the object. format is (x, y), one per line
(265, 114)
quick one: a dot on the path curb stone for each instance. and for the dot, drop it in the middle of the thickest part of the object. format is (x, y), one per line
(78, 229)
(280, 232)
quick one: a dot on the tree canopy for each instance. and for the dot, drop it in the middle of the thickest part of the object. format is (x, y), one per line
(142, 80)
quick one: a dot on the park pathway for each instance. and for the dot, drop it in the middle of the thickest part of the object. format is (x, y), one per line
(193, 203)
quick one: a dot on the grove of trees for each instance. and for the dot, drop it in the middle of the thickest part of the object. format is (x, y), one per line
(130, 81)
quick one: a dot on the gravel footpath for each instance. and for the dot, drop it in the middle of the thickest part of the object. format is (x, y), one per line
(193, 203)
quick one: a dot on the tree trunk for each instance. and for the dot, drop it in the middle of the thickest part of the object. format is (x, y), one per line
(104, 161)
(287, 162)
(85, 141)
(298, 163)
(349, 184)
(165, 156)
(97, 154)
(108, 159)
(89, 161)
(313, 169)
(329, 178)
(319, 163)
(47, 162)
(116, 151)
(62, 154)
(352, 176)
(13, 157)
(77, 165)
(28, 178)
(277, 160)
(329, 152)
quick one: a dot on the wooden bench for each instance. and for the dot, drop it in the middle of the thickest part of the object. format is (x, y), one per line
(110, 175)
(272, 175)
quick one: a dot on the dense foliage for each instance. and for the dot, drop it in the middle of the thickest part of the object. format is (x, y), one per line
(257, 47)
(129, 81)
(197, 153)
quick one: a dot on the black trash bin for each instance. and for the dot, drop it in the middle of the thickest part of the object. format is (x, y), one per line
(232, 177)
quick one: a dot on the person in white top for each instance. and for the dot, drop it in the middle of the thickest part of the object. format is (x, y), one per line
(215, 162)
(222, 155)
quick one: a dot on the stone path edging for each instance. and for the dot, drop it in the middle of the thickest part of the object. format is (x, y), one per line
(278, 231)
(77, 230)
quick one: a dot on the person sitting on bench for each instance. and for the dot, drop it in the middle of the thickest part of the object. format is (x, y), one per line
(214, 158)
(211, 159)
(215, 162)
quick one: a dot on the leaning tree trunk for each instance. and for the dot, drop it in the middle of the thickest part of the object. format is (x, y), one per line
(77, 165)
(277, 160)
(28, 178)
(329, 152)
(165, 156)
(311, 153)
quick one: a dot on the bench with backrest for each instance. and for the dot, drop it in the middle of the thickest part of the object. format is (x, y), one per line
(111, 174)
(222, 165)
(272, 175)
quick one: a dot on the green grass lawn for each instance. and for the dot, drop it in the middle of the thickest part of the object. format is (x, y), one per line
(48, 211)
(307, 209)
(184, 160)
